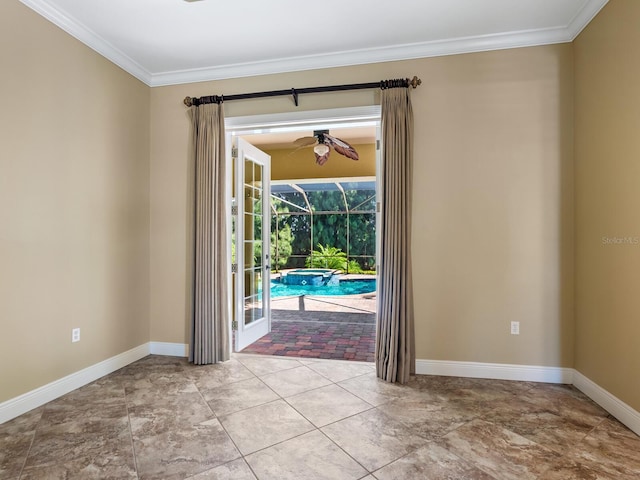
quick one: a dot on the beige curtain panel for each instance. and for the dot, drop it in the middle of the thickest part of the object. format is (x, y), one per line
(395, 343)
(210, 325)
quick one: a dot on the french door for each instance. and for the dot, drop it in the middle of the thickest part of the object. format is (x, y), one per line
(250, 255)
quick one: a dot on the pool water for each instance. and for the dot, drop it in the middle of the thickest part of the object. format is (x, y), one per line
(345, 287)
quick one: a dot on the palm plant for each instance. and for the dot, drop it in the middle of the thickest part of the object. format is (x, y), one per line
(327, 257)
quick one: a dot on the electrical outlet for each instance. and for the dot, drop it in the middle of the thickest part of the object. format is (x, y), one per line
(75, 335)
(515, 328)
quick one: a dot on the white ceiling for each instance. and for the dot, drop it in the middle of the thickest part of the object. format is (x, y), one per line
(164, 42)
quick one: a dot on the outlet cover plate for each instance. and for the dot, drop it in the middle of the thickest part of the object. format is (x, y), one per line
(75, 335)
(515, 328)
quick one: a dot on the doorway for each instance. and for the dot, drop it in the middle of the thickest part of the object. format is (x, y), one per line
(308, 324)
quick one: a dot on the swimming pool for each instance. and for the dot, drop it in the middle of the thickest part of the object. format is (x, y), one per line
(344, 287)
(310, 276)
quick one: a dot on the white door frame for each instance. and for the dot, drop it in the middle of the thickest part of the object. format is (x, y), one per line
(292, 121)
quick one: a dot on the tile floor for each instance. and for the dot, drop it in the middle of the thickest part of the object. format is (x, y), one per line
(259, 417)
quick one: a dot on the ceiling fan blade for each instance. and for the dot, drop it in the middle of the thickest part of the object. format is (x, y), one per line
(342, 147)
(322, 159)
(305, 141)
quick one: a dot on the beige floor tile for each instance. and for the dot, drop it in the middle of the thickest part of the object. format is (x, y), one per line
(613, 447)
(13, 453)
(234, 470)
(431, 461)
(15, 440)
(176, 454)
(207, 377)
(107, 391)
(433, 427)
(169, 413)
(87, 436)
(540, 425)
(307, 361)
(570, 469)
(339, 371)
(375, 391)
(265, 425)
(567, 401)
(498, 451)
(82, 469)
(373, 438)
(478, 394)
(151, 365)
(326, 405)
(429, 417)
(239, 396)
(309, 457)
(294, 381)
(25, 423)
(148, 391)
(263, 365)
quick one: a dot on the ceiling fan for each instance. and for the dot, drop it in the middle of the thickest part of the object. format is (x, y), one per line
(324, 143)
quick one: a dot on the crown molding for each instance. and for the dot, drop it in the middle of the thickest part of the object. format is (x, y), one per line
(482, 43)
(366, 56)
(89, 38)
(584, 17)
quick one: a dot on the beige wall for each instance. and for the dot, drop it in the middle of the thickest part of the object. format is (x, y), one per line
(94, 214)
(493, 218)
(288, 164)
(74, 204)
(607, 157)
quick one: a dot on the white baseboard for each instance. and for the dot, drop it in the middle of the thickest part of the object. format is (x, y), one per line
(616, 407)
(496, 371)
(22, 404)
(169, 349)
(35, 398)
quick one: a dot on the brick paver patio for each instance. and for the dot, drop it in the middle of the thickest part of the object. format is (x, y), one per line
(321, 327)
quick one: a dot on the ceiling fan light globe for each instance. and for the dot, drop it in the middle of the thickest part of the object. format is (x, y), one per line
(321, 149)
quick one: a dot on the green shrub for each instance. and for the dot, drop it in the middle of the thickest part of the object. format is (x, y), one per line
(327, 257)
(354, 267)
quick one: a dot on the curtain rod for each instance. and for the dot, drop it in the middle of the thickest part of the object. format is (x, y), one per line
(294, 92)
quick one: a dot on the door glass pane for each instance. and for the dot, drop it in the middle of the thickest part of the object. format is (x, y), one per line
(257, 226)
(250, 310)
(249, 288)
(233, 239)
(248, 198)
(257, 254)
(253, 299)
(253, 264)
(257, 176)
(257, 201)
(248, 171)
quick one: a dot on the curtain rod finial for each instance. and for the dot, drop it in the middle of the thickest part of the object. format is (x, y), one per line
(188, 101)
(415, 81)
